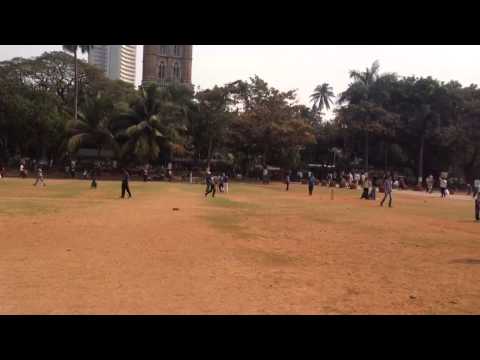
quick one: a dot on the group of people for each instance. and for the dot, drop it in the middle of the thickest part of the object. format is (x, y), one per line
(214, 182)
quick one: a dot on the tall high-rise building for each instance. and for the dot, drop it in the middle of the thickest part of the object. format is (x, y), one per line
(118, 62)
(166, 64)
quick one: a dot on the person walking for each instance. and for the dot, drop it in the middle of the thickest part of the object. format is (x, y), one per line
(311, 183)
(39, 177)
(125, 181)
(443, 187)
(387, 185)
(210, 185)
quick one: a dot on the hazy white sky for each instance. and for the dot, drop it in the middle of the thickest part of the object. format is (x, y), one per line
(302, 67)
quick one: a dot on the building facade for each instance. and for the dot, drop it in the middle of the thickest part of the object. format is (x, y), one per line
(165, 64)
(118, 62)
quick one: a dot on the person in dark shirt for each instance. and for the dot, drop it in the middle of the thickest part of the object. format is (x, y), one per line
(125, 187)
(311, 183)
(93, 175)
(210, 185)
(388, 191)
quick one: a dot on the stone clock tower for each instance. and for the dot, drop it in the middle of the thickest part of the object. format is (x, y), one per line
(165, 64)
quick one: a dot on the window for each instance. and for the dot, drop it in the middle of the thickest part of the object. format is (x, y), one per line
(163, 49)
(176, 50)
(161, 71)
(176, 71)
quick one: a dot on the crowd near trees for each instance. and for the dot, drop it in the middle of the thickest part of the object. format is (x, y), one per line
(413, 125)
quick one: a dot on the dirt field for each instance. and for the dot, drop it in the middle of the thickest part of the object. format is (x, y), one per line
(66, 249)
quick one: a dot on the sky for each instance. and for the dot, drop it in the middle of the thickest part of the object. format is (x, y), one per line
(302, 67)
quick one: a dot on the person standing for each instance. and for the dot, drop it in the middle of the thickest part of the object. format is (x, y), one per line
(366, 187)
(311, 183)
(477, 207)
(373, 192)
(225, 182)
(210, 185)
(93, 175)
(145, 173)
(265, 175)
(125, 181)
(220, 183)
(287, 181)
(23, 172)
(39, 177)
(387, 185)
(443, 187)
(430, 184)
(1, 172)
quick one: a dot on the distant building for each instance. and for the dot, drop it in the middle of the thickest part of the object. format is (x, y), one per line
(118, 62)
(165, 64)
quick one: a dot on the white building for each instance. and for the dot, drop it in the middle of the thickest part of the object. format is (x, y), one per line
(118, 62)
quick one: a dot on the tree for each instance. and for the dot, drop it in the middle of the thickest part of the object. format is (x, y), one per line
(211, 120)
(268, 121)
(74, 49)
(365, 99)
(322, 97)
(93, 126)
(157, 119)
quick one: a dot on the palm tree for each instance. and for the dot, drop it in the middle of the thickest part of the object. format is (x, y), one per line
(359, 93)
(73, 49)
(153, 121)
(93, 126)
(322, 97)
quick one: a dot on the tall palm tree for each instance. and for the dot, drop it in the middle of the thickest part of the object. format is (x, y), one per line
(322, 97)
(154, 120)
(359, 94)
(74, 49)
(93, 126)
(368, 77)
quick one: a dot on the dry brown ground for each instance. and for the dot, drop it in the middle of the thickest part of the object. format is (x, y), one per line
(67, 250)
